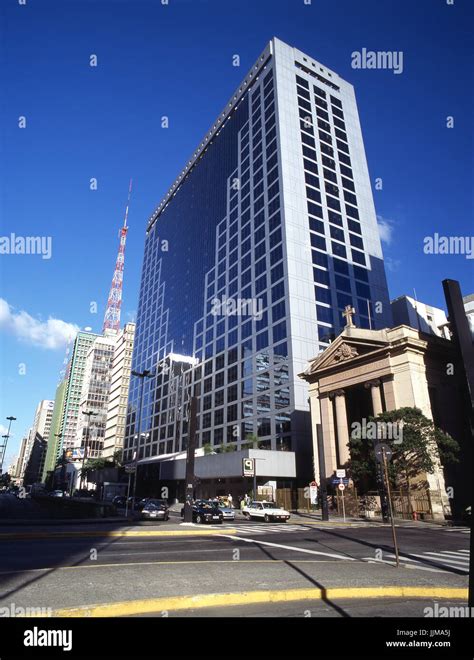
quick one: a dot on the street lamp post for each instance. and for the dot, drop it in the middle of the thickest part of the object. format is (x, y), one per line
(64, 463)
(190, 454)
(146, 373)
(255, 476)
(5, 437)
(89, 414)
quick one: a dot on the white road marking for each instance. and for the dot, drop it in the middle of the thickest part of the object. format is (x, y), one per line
(416, 565)
(288, 547)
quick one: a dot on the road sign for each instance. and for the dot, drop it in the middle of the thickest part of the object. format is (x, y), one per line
(130, 468)
(338, 480)
(313, 493)
(248, 467)
(380, 448)
(341, 486)
(340, 473)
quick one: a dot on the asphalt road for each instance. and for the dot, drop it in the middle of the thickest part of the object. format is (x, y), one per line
(98, 564)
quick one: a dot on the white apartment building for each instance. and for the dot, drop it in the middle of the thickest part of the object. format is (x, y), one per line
(118, 396)
(95, 398)
(38, 432)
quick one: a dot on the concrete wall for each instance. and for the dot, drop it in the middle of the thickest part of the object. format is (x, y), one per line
(276, 464)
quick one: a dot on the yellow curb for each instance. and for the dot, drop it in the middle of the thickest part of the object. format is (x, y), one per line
(326, 522)
(85, 533)
(154, 605)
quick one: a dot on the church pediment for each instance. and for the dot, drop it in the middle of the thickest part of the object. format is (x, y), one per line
(344, 350)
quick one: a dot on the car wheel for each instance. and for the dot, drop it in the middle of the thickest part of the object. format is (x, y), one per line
(267, 518)
(198, 520)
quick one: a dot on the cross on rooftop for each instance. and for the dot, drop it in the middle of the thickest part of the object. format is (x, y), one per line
(349, 312)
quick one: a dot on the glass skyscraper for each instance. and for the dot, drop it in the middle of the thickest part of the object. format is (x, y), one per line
(263, 239)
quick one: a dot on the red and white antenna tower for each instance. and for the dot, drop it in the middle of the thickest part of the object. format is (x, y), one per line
(112, 313)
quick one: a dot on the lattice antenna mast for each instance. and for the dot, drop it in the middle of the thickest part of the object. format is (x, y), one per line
(114, 302)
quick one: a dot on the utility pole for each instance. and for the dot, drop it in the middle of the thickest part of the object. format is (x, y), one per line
(6, 437)
(146, 373)
(89, 414)
(189, 478)
(382, 454)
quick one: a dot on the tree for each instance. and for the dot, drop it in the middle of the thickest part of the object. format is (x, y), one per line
(5, 479)
(420, 448)
(96, 464)
(117, 458)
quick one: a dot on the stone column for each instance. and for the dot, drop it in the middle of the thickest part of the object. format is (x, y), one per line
(329, 439)
(342, 428)
(389, 394)
(376, 396)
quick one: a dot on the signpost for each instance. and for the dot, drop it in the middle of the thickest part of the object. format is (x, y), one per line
(313, 492)
(248, 470)
(130, 469)
(341, 488)
(189, 478)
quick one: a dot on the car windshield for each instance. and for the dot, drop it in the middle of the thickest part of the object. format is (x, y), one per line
(269, 505)
(209, 505)
(155, 503)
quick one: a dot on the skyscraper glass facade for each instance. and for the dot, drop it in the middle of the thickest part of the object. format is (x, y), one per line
(250, 259)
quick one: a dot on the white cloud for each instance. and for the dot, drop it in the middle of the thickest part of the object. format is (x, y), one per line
(51, 334)
(386, 227)
(392, 264)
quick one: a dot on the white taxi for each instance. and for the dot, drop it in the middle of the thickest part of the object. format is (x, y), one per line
(266, 511)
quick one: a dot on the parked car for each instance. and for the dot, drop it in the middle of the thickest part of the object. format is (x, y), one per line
(206, 512)
(119, 500)
(266, 511)
(83, 492)
(135, 503)
(228, 513)
(56, 493)
(155, 510)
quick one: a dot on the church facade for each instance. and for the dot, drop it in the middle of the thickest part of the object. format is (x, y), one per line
(366, 372)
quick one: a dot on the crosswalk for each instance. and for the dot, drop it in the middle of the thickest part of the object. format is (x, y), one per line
(437, 562)
(267, 528)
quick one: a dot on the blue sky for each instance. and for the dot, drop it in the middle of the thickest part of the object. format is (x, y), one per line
(176, 60)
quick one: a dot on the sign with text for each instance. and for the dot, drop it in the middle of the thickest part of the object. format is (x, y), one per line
(248, 467)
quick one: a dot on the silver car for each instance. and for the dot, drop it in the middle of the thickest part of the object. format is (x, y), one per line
(227, 512)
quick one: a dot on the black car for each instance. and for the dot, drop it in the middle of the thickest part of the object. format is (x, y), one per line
(119, 500)
(135, 503)
(155, 509)
(205, 512)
